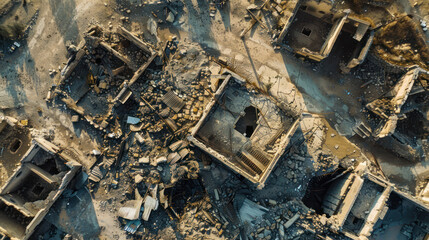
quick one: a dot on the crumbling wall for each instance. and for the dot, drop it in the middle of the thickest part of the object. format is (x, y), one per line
(215, 133)
(31, 190)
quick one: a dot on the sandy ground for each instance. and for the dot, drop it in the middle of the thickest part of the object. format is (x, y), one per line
(24, 77)
(108, 223)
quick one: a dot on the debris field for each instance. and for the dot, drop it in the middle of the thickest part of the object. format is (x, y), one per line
(214, 119)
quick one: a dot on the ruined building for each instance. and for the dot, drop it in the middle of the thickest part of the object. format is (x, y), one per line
(30, 192)
(364, 206)
(315, 28)
(244, 130)
(403, 116)
(15, 140)
(97, 65)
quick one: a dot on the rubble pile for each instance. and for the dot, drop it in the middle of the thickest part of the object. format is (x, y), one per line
(290, 220)
(293, 167)
(370, 72)
(167, 139)
(199, 221)
(401, 43)
(144, 151)
(326, 161)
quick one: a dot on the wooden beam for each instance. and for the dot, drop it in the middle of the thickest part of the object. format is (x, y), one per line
(131, 37)
(118, 55)
(141, 70)
(69, 69)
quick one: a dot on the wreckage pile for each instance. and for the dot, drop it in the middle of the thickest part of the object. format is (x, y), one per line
(199, 221)
(288, 220)
(401, 43)
(142, 150)
(403, 113)
(185, 141)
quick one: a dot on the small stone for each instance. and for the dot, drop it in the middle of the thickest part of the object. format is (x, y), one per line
(281, 231)
(170, 17)
(267, 233)
(75, 118)
(138, 178)
(96, 152)
(144, 160)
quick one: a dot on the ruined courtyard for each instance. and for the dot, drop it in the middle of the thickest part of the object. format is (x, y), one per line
(214, 119)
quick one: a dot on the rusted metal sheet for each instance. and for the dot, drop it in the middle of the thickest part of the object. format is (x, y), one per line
(173, 101)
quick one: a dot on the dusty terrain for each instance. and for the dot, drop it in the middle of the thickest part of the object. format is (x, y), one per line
(332, 101)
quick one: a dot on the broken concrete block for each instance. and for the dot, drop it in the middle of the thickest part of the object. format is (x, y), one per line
(75, 118)
(170, 17)
(152, 26)
(292, 220)
(176, 145)
(159, 160)
(139, 138)
(251, 210)
(144, 160)
(184, 152)
(102, 85)
(216, 193)
(131, 209)
(96, 152)
(150, 204)
(138, 178)
(281, 231)
(133, 120)
(173, 158)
